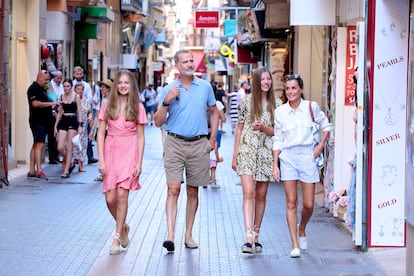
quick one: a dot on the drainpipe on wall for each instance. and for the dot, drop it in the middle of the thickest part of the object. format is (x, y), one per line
(3, 109)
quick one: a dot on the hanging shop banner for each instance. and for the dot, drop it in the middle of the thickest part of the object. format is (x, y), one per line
(387, 73)
(351, 50)
(230, 28)
(207, 19)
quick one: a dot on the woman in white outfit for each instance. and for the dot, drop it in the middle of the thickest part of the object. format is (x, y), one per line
(293, 147)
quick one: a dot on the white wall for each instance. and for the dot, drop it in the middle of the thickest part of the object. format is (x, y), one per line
(24, 63)
(343, 121)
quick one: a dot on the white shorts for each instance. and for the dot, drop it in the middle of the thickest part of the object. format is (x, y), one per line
(297, 163)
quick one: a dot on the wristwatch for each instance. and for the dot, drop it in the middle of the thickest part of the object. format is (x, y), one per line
(165, 104)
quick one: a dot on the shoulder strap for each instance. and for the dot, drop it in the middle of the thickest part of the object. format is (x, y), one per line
(311, 111)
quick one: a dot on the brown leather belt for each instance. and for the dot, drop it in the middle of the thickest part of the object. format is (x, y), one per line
(186, 138)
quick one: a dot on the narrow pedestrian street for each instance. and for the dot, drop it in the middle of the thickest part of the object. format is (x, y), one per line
(62, 227)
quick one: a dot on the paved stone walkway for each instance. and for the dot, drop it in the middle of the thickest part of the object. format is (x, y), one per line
(62, 227)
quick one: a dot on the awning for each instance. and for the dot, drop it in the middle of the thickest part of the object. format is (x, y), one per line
(161, 39)
(150, 35)
(94, 14)
(199, 61)
(87, 31)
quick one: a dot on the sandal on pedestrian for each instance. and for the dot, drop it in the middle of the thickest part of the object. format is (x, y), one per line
(72, 166)
(248, 247)
(257, 245)
(81, 168)
(115, 249)
(125, 238)
(65, 175)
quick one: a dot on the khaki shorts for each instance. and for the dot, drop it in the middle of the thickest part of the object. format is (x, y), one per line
(192, 156)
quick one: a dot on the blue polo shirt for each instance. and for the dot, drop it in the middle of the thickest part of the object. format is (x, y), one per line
(187, 116)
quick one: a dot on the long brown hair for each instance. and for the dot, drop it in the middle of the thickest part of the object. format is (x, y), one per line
(131, 109)
(256, 109)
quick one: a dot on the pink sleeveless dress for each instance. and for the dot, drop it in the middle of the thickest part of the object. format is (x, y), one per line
(121, 151)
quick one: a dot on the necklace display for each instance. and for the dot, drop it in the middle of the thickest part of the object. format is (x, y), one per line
(389, 117)
(381, 232)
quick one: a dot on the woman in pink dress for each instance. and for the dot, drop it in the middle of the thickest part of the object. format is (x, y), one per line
(121, 151)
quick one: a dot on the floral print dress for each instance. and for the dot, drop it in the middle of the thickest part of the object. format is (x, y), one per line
(255, 155)
(86, 109)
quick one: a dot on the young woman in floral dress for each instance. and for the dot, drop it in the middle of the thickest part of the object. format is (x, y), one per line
(252, 157)
(86, 110)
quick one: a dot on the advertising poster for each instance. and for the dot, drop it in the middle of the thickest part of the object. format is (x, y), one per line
(351, 52)
(388, 125)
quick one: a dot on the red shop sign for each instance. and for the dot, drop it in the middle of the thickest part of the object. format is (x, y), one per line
(206, 19)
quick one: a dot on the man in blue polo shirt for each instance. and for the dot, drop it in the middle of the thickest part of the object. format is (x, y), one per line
(186, 101)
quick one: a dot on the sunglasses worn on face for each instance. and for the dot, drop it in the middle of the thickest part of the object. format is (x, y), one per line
(292, 77)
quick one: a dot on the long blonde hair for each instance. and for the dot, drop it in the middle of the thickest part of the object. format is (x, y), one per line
(256, 108)
(131, 109)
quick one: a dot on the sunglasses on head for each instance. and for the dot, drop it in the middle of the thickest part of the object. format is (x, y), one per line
(292, 77)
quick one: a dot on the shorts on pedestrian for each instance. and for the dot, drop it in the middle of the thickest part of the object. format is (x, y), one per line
(39, 133)
(192, 156)
(213, 163)
(150, 108)
(297, 163)
(68, 122)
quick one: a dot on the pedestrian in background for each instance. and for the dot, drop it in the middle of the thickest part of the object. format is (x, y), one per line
(80, 154)
(243, 91)
(293, 147)
(78, 74)
(233, 103)
(55, 89)
(121, 151)
(252, 156)
(68, 123)
(215, 157)
(157, 102)
(150, 95)
(40, 120)
(186, 146)
(105, 89)
(56, 84)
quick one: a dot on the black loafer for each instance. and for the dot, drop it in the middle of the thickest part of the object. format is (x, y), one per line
(92, 160)
(169, 245)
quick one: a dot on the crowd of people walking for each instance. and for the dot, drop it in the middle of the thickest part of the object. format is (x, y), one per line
(273, 140)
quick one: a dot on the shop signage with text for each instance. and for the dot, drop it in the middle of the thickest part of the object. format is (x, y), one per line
(206, 19)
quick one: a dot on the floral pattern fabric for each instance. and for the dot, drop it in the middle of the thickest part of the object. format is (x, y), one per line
(255, 149)
(86, 108)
